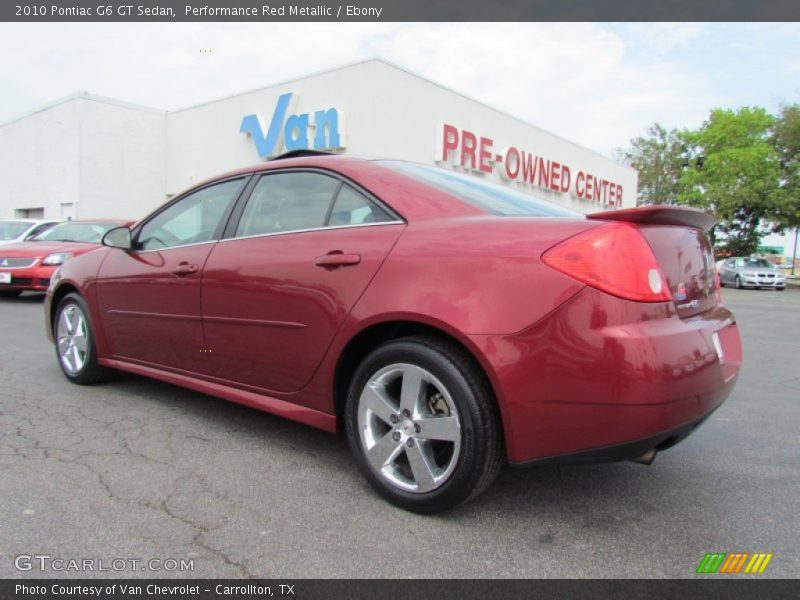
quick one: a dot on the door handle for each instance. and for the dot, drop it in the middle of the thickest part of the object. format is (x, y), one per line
(336, 259)
(184, 269)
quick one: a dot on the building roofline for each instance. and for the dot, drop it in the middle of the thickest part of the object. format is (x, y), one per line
(407, 71)
(85, 96)
(122, 103)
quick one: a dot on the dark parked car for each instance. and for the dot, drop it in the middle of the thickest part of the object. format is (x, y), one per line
(743, 272)
(448, 325)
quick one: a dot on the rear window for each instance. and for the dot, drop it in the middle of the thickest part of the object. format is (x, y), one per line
(488, 197)
(10, 230)
(71, 231)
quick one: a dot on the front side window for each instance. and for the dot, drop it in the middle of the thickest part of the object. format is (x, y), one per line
(191, 220)
(288, 202)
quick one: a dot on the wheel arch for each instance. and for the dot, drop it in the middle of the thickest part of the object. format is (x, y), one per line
(375, 334)
(58, 295)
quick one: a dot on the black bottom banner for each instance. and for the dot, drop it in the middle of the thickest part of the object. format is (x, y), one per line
(390, 589)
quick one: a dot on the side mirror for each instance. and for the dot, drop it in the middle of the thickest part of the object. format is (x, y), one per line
(119, 237)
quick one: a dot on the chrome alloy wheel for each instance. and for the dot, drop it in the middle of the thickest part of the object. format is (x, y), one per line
(409, 428)
(72, 337)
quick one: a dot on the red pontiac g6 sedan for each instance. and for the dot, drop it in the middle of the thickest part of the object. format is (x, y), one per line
(447, 324)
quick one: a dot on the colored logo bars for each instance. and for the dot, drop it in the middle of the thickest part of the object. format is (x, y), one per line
(720, 562)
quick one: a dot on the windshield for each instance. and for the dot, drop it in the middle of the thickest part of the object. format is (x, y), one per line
(10, 230)
(759, 263)
(489, 197)
(86, 232)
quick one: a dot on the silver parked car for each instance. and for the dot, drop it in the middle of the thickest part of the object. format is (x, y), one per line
(743, 271)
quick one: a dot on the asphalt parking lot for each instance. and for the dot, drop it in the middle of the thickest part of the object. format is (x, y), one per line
(139, 469)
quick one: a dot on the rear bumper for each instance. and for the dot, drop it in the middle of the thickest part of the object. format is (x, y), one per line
(601, 372)
(626, 451)
(35, 278)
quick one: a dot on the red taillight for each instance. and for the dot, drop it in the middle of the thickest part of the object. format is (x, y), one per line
(614, 258)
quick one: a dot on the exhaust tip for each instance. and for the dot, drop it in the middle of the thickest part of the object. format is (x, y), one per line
(647, 458)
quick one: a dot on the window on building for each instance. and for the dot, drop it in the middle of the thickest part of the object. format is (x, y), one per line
(29, 213)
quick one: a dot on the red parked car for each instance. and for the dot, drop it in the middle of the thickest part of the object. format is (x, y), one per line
(447, 324)
(28, 266)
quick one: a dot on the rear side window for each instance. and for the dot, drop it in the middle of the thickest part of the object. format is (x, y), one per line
(353, 208)
(489, 197)
(287, 202)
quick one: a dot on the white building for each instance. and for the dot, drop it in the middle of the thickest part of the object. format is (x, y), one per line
(85, 156)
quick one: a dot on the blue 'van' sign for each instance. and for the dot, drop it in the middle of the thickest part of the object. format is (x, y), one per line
(297, 131)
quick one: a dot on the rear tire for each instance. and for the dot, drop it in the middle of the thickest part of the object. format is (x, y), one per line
(737, 283)
(423, 424)
(74, 342)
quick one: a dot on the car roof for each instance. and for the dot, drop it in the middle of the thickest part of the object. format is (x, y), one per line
(409, 197)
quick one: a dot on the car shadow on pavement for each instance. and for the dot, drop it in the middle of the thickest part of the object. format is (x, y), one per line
(218, 415)
(25, 298)
(586, 496)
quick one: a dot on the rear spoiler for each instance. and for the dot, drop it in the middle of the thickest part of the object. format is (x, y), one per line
(659, 215)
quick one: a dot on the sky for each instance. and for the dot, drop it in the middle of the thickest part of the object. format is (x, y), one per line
(596, 84)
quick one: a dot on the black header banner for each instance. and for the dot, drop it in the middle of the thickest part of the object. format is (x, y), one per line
(392, 589)
(109, 11)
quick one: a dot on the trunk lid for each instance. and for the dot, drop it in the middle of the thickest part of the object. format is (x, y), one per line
(678, 239)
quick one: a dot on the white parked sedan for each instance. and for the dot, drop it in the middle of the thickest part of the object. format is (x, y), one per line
(19, 230)
(746, 271)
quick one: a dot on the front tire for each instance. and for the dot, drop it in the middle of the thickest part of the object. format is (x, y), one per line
(737, 283)
(423, 424)
(74, 341)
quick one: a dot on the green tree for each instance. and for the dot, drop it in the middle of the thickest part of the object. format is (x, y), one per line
(739, 177)
(658, 156)
(786, 139)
